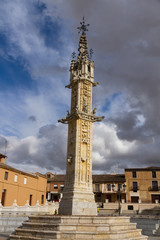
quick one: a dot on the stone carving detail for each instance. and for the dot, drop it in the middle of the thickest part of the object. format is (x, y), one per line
(74, 98)
(94, 110)
(84, 137)
(85, 105)
(68, 113)
(69, 159)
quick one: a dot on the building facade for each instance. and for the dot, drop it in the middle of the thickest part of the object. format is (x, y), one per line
(143, 184)
(55, 186)
(109, 187)
(20, 186)
(106, 188)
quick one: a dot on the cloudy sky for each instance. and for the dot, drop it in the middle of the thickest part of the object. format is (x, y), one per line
(37, 38)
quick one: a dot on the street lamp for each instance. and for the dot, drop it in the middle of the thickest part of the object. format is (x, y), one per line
(119, 191)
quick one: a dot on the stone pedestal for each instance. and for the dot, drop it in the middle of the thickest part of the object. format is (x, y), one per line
(79, 203)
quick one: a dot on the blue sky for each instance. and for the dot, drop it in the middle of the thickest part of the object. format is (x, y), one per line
(37, 39)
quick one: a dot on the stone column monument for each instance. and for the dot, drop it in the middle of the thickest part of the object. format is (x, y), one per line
(78, 197)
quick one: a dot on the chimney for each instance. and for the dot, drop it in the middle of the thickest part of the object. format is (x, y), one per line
(2, 158)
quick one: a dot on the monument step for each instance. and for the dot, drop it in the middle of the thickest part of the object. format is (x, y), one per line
(46, 234)
(76, 227)
(79, 227)
(79, 219)
(14, 237)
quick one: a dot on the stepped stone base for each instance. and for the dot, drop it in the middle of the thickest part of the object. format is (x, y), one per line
(78, 227)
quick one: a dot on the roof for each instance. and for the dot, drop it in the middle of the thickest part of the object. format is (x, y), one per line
(105, 178)
(7, 167)
(2, 155)
(143, 169)
(57, 178)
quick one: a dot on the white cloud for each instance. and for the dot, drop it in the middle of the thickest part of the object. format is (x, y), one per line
(108, 149)
(46, 151)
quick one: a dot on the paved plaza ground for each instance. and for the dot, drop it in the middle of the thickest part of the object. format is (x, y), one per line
(5, 237)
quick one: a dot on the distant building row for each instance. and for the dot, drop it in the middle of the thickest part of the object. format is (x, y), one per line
(136, 185)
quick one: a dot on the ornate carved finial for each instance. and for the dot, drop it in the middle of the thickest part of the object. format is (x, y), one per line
(73, 55)
(68, 113)
(83, 27)
(94, 110)
(90, 53)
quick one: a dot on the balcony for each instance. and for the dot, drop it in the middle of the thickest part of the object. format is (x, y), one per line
(134, 189)
(156, 188)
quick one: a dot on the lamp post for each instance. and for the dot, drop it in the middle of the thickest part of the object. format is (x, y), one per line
(119, 191)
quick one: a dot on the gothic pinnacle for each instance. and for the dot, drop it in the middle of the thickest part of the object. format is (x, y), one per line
(83, 28)
(73, 55)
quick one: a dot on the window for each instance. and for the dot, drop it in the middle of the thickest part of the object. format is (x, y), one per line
(61, 187)
(6, 176)
(48, 175)
(98, 198)
(134, 174)
(15, 178)
(113, 187)
(42, 199)
(135, 186)
(55, 186)
(119, 186)
(155, 185)
(25, 180)
(154, 174)
(97, 187)
(108, 187)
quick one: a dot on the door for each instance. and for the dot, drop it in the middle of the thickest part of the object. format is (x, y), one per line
(30, 200)
(3, 196)
(109, 198)
(134, 199)
(155, 197)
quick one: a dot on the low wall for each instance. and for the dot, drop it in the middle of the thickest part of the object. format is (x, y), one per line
(13, 216)
(48, 207)
(133, 208)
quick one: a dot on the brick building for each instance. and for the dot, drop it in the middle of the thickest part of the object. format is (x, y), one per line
(143, 184)
(55, 185)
